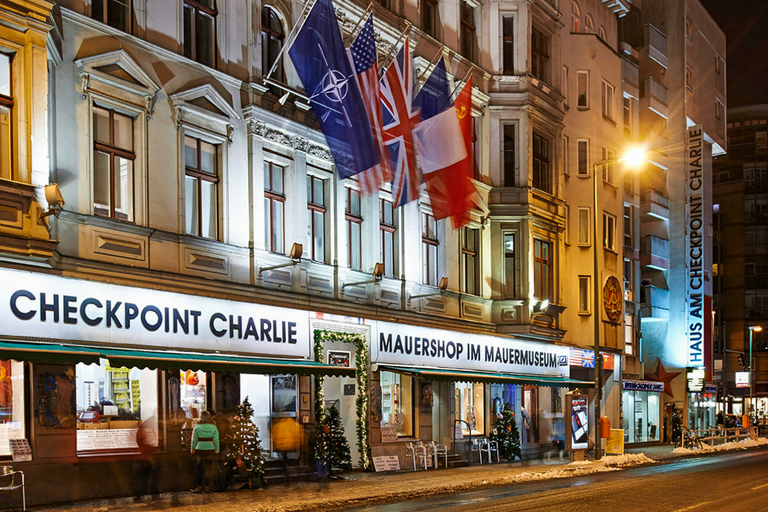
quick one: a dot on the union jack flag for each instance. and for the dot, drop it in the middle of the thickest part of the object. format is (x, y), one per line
(363, 54)
(582, 357)
(399, 120)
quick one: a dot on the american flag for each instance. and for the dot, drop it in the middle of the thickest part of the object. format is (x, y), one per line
(363, 53)
(582, 357)
(399, 120)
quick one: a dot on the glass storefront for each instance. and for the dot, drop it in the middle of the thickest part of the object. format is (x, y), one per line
(470, 407)
(192, 393)
(11, 403)
(702, 411)
(641, 407)
(396, 402)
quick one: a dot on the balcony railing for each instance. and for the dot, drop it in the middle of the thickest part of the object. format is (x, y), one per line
(654, 252)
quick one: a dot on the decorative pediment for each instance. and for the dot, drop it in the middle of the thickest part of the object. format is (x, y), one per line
(205, 107)
(115, 69)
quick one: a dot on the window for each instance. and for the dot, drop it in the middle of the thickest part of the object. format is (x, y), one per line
(6, 117)
(575, 17)
(567, 231)
(430, 17)
(629, 335)
(12, 423)
(601, 33)
(477, 147)
(430, 245)
(509, 266)
(564, 84)
(470, 261)
(200, 30)
(192, 393)
(274, 207)
(718, 110)
(469, 407)
(582, 80)
(316, 217)
(129, 395)
(608, 92)
(542, 178)
(628, 226)
(468, 31)
(566, 146)
(627, 111)
(689, 28)
(689, 78)
(584, 302)
(628, 273)
(200, 181)
(272, 38)
(354, 222)
(584, 221)
(589, 24)
(396, 400)
(508, 45)
(387, 229)
(609, 172)
(113, 159)
(509, 154)
(583, 148)
(717, 64)
(115, 13)
(609, 232)
(542, 269)
(539, 55)
(386, 4)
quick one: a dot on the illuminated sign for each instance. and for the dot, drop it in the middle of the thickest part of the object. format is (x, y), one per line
(742, 379)
(695, 380)
(579, 423)
(694, 199)
(639, 385)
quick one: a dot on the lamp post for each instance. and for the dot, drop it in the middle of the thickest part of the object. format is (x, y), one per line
(752, 328)
(634, 157)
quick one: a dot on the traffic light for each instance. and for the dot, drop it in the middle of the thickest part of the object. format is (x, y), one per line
(741, 361)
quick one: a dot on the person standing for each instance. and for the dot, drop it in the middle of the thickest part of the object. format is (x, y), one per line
(204, 446)
(226, 437)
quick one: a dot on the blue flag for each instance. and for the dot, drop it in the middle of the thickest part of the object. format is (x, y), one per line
(331, 84)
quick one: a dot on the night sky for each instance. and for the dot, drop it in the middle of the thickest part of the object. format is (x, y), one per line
(745, 23)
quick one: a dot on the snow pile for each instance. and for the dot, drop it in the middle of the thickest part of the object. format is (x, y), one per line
(733, 445)
(628, 459)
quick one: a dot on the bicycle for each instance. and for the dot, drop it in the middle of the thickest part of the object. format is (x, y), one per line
(689, 440)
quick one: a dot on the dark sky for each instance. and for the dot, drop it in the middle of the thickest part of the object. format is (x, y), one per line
(745, 23)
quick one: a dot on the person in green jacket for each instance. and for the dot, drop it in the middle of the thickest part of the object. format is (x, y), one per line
(205, 447)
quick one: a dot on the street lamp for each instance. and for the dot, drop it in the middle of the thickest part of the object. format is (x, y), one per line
(752, 328)
(634, 157)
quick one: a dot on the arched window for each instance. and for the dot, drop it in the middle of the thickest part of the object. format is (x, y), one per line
(575, 17)
(601, 33)
(589, 25)
(272, 38)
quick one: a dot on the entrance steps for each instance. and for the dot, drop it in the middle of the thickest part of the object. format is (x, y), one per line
(274, 472)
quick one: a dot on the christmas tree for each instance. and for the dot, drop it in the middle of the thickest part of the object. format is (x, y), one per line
(506, 435)
(331, 448)
(245, 458)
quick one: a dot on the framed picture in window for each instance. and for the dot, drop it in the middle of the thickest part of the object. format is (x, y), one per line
(339, 358)
(284, 394)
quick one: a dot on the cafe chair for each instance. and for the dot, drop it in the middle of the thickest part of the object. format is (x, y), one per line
(7, 471)
(439, 450)
(417, 452)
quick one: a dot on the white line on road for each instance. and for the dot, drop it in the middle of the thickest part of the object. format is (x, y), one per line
(693, 506)
(759, 487)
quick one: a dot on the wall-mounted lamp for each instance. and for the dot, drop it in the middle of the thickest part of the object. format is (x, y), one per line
(442, 286)
(378, 273)
(295, 255)
(55, 200)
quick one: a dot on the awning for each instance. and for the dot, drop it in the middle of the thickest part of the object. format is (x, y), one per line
(47, 353)
(491, 378)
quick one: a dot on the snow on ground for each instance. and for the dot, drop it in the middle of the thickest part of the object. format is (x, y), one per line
(580, 468)
(733, 445)
(629, 459)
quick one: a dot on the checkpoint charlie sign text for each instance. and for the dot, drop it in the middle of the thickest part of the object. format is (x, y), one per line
(695, 248)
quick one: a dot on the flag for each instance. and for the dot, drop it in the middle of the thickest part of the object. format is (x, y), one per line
(399, 120)
(326, 72)
(451, 191)
(363, 54)
(582, 357)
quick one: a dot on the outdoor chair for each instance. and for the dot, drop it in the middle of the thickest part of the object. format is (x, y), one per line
(439, 450)
(7, 471)
(417, 452)
(490, 447)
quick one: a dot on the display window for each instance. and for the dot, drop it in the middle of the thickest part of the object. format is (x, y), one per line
(256, 388)
(703, 410)
(470, 407)
(396, 402)
(192, 392)
(113, 403)
(11, 404)
(502, 395)
(641, 411)
(284, 395)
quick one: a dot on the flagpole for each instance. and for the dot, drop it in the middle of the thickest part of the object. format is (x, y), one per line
(353, 33)
(394, 48)
(289, 41)
(463, 81)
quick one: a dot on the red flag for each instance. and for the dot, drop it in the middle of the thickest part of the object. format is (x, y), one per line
(451, 192)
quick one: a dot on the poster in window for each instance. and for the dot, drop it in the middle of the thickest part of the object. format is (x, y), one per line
(56, 402)
(283, 393)
(338, 358)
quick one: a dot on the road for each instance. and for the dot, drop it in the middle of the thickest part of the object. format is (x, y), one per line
(722, 483)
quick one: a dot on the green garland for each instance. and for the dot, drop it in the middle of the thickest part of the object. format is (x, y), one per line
(361, 363)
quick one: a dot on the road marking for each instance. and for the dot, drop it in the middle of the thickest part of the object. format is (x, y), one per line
(693, 506)
(759, 487)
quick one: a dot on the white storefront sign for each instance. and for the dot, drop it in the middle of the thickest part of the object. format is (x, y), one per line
(408, 345)
(37, 305)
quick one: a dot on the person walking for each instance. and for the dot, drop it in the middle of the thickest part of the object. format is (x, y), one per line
(720, 420)
(285, 439)
(204, 446)
(226, 438)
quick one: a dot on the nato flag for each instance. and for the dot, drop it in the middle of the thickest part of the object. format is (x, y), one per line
(330, 82)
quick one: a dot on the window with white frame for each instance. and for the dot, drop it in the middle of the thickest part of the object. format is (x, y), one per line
(354, 220)
(201, 181)
(628, 279)
(608, 98)
(539, 55)
(470, 407)
(470, 260)
(115, 13)
(113, 164)
(584, 221)
(582, 88)
(609, 232)
(508, 44)
(583, 157)
(6, 117)
(274, 207)
(272, 39)
(584, 289)
(609, 169)
(542, 269)
(396, 400)
(629, 334)
(430, 245)
(200, 31)
(575, 17)
(388, 230)
(628, 238)
(509, 266)
(316, 213)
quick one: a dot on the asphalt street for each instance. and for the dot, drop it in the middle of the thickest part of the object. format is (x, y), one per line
(735, 482)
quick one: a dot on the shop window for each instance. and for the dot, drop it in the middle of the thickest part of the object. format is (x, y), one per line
(256, 388)
(502, 395)
(396, 400)
(387, 229)
(284, 394)
(193, 393)
(354, 221)
(509, 266)
(641, 413)
(470, 407)
(115, 13)
(274, 207)
(113, 403)
(11, 404)
(200, 188)
(6, 116)
(113, 159)
(272, 39)
(508, 45)
(430, 248)
(316, 211)
(200, 30)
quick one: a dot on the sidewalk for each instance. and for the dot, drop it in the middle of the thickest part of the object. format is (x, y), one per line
(360, 489)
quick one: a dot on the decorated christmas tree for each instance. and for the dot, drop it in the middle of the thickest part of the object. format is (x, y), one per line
(331, 448)
(506, 435)
(245, 457)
